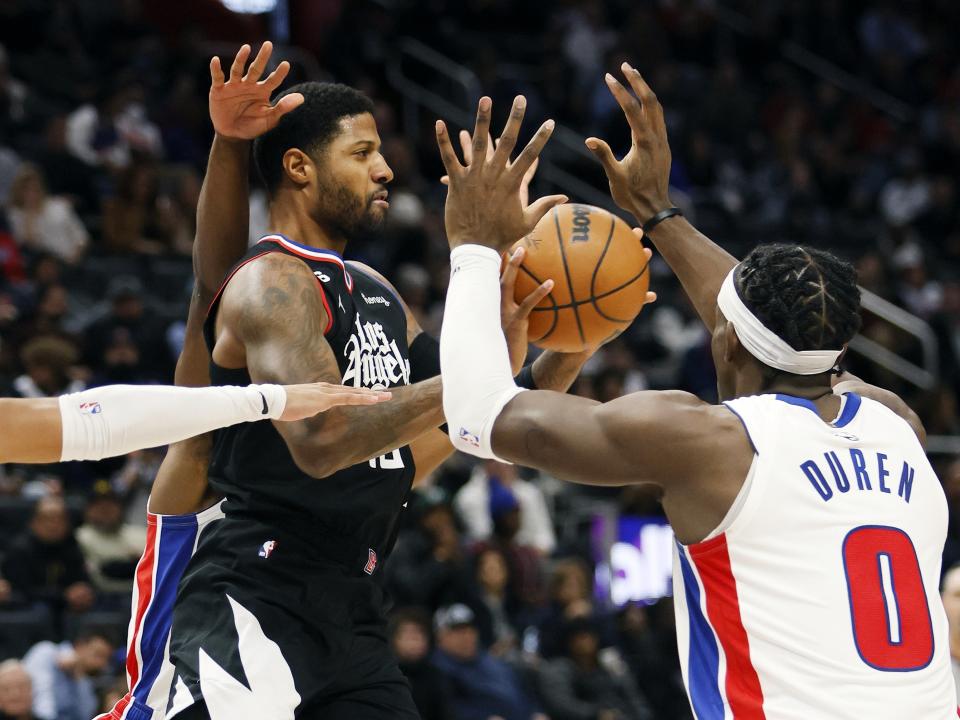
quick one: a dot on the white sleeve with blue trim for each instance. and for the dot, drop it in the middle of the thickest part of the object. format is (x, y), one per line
(474, 360)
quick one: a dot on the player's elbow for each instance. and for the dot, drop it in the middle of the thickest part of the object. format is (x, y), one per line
(325, 452)
(315, 466)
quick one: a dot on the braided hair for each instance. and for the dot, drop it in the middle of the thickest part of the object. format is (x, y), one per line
(808, 297)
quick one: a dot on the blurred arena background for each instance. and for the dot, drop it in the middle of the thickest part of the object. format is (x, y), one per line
(835, 123)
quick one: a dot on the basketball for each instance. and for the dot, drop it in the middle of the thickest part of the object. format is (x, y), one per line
(599, 272)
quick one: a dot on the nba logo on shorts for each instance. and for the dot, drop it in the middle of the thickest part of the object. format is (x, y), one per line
(371, 561)
(90, 408)
(267, 549)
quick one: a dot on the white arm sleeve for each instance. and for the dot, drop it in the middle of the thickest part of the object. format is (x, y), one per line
(474, 361)
(117, 419)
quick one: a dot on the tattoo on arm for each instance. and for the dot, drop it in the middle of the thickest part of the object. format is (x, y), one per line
(279, 317)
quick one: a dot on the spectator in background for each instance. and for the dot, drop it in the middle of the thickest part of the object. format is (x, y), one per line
(48, 361)
(44, 223)
(497, 613)
(14, 98)
(906, 196)
(950, 594)
(430, 566)
(111, 131)
(581, 686)
(45, 563)
(481, 686)
(176, 210)
(649, 649)
(127, 344)
(570, 599)
(110, 546)
(11, 259)
(63, 687)
(526, 571)
(131, 223)
(473, 504)
(66, 174)
(410, 640)
(16, 692)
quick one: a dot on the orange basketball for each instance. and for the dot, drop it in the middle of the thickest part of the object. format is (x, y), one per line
(599, 272)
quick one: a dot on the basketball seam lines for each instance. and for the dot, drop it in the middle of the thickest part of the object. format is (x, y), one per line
(596, 269)
(566, 271)
(556, 312)
(601, 296)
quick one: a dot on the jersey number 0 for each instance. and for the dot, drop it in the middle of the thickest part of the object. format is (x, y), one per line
(888, 604)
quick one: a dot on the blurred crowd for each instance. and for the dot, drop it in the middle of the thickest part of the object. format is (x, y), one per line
(103, 142)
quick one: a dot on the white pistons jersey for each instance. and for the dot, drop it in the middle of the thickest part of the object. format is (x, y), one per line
(817, 597)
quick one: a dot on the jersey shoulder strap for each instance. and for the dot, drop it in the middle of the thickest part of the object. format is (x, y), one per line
(326, 265)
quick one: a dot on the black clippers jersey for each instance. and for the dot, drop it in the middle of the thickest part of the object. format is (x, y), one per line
(350, 517)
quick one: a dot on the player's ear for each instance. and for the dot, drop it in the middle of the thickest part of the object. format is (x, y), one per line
(730, 342)
(298, 166)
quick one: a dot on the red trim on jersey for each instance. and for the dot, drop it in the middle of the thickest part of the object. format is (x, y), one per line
(116, 713)
(743, 691)
(327, 256)
(144, 580)
(223, 286)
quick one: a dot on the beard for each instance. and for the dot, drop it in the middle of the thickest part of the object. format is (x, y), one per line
(345, 213)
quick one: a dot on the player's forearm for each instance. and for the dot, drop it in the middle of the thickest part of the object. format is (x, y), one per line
(429, 452)
(345, 436)
(117, 419)
(31, 432)
(556, 370)
(223, 212)
(699, 263)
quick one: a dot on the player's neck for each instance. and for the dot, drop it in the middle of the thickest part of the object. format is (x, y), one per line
(290, 221)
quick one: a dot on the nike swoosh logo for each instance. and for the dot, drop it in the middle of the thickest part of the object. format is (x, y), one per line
(266, 410)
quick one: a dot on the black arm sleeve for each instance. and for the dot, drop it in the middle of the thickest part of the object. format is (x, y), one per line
(425, 362)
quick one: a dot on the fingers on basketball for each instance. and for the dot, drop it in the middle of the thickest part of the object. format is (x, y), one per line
(600, 270)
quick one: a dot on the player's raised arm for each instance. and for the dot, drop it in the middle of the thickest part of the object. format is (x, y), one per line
(271, 320)
(240, 110)
(118, 419)
(488, 415)
(639, 184)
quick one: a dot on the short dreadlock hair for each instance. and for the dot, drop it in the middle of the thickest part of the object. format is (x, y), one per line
(808, 297)
(310, 127)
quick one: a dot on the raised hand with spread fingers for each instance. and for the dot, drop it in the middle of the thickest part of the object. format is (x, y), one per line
(484, 204)
(240, 105)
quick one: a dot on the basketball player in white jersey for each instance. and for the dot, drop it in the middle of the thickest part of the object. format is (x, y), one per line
(810, 524)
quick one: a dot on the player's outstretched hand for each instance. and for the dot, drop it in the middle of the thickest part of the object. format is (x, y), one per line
(240, 106)
(515, 316)
(466, 144)
(639, 182)
(483, 200)
(307, 400)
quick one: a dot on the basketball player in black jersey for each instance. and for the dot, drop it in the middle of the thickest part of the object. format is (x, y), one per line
(281, 611)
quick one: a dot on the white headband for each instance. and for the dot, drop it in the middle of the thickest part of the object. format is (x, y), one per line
(764, 344)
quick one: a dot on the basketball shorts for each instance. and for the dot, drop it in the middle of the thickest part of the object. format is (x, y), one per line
(171, 541)
(264, 627)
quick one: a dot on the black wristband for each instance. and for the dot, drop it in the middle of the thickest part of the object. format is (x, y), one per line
(660, 217)
(525, 379)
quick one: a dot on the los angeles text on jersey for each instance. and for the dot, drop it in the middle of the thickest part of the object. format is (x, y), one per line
(373, 359)
(853, 470)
